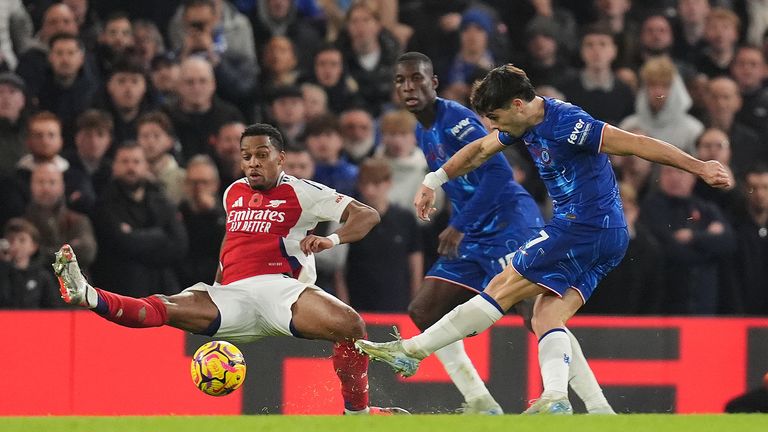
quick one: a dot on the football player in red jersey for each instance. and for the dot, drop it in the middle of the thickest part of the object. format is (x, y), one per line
(264, 283)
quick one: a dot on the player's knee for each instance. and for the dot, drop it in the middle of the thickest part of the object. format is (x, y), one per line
(354, 326)
(419, 315)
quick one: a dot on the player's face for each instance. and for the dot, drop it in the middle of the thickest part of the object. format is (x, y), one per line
(757, 191)
(415, 85)
(260, 161)
(510, 119)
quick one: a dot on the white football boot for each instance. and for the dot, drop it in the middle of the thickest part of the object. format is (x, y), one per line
(72, 283)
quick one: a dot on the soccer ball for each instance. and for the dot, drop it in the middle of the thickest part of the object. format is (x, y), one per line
(218, 368)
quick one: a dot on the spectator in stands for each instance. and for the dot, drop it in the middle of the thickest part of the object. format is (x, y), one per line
(116, 43)
(689, 29)
(543, 62)
(695, 236)
(33, 61)
(473, 58)
(68, 87)
(324, 142)
(370, 52)
(204, 219)
(148, 41)
(93, 140)
(140, 237)
(157, 138)
(656, 39)
(713, 144)
(636, 285)
(723, 101)
(330, 74)
(25, 282)
(12, 121)
(662, 104)
(749, 71)
(596, 87)
(15, 33)
(406, 161)
(231, 28)
(44, 143)
(226, 152)
(359, 134)
(56, 223)
(721, 34)
(615, 15)
(548, 13)
(88, 22)
(236, 73)
(287, 111)
(315, 100)
(377, 281)
(126, 96)
(280, 18)
(751, 231)
(330, 262)
(280, 64)
(198, 114)
(165, 72)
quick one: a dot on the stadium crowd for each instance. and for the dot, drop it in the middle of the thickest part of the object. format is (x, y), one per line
(120, 124)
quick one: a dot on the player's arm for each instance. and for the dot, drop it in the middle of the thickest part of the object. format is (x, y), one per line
(463, 161)
(358, 218)
(619, 142)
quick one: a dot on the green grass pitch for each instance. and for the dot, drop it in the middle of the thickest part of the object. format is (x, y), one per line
(416, 423)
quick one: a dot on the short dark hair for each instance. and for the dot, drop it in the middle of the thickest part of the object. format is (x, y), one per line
(186, 4)
(66, 36)
(322, 124)
(159, 118)
(116, 16)
(263, 129)
(20, 225)
(416, 57)
(498, 88)
(597, 29)
(756, 168)
(95, 119)
(128, 65)
(374, 170)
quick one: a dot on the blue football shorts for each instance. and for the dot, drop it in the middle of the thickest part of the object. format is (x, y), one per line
(570, 255)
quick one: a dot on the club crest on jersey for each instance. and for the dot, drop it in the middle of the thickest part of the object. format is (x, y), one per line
(256, 200)
(545, 157)
(275, 203)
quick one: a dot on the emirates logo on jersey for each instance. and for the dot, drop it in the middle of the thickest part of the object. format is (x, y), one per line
(256, 200)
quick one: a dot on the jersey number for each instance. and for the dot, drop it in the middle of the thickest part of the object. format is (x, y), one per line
(542, 236)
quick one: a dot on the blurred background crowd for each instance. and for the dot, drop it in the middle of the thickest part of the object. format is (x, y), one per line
(120, 123)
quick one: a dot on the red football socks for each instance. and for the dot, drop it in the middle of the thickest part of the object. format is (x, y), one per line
(131, 312)
(352, 368)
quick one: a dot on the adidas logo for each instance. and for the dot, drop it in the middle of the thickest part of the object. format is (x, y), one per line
(238, 202)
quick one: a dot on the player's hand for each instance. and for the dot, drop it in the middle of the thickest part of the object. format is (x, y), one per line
(449, 242)
(313, 244)
(424, 202)
(716, 175)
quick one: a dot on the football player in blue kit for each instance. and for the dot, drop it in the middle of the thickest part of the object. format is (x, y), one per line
(585, 240)
(492, 216)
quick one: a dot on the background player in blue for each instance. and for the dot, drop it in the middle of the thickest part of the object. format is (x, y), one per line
(585, 240)
(492, 216)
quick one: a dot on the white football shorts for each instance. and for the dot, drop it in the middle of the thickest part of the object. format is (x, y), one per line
(255, 307)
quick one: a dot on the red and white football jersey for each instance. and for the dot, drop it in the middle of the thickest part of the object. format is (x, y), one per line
(264, 228)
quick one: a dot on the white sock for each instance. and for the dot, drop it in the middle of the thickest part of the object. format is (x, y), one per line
(467, 319)
(582, 379)
(554, 358)
(365, 411)
(462, 371)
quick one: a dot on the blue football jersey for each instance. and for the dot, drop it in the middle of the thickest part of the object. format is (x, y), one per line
(565, 147)
(488, 205)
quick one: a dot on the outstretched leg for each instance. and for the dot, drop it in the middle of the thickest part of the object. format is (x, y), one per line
(190, 311)
(318, 315)
(434, 299)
